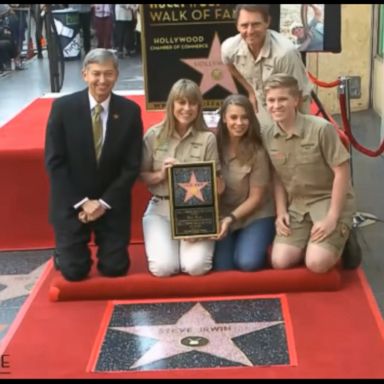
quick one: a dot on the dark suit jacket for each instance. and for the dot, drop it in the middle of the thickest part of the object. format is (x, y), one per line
(71, 160)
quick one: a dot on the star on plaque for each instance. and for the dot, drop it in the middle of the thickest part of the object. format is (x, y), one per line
(214, 71)
(193, 188)
(196, 330)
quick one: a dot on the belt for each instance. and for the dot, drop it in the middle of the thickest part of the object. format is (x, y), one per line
(161, 197)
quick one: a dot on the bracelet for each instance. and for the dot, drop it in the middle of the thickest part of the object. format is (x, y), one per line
(233, 217)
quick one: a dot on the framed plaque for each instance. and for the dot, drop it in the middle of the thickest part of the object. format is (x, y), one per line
(193, 200)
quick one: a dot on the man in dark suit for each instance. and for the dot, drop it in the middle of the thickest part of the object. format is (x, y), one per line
(90, 186)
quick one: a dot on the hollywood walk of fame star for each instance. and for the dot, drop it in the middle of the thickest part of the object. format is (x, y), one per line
(214, 71)
(204, 334)
(193, 188)
(19, 285)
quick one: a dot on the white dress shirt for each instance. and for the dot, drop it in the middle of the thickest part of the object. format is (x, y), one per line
(104, 118)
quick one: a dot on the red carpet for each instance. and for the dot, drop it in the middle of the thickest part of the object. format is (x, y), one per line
(24, 184)
(336, 335)
(139, 283)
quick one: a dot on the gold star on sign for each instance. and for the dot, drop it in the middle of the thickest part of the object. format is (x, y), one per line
(193, 188)
(214, 71)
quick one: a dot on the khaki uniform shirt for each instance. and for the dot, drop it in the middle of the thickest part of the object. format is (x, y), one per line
(238, 181)
(278, 55)
(304, 162)
(195, 146)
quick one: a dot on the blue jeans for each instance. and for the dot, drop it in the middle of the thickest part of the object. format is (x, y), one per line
(245, 249)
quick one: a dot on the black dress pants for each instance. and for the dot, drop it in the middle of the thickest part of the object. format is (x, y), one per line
(111, 237)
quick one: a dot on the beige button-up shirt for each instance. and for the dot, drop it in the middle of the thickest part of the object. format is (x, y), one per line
(278, 55)
(304, 162)
(195, 146)
(239, 179)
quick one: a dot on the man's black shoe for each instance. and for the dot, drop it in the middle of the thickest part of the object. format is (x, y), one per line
(352, 255)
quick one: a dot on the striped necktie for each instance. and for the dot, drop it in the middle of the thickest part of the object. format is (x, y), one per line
(97, 127)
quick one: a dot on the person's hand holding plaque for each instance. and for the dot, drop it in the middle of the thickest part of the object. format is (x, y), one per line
(225, 225)
(167, 163)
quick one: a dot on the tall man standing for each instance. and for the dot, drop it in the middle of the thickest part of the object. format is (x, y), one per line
(256, 52)
(93, 154)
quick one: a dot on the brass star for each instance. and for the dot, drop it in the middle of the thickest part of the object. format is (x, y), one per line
(193, 188)
(214, 71)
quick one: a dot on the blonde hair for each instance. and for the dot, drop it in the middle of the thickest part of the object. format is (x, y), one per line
(182, 89)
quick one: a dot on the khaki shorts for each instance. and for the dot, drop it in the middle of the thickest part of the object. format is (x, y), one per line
(301, 232)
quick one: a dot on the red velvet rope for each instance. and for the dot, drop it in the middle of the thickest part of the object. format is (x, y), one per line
(347, 127)
(322, 83)
(351, 138)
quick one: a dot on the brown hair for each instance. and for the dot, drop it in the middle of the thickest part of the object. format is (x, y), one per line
(263, 9)
(250, 142)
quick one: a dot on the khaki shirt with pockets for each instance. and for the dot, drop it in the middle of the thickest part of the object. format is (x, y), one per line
(278, 55)
(195, 146)
(239, 178)
(304, 161)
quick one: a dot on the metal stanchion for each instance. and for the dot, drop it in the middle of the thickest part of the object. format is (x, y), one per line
(55, 52)
(343, 89)
(361, 219)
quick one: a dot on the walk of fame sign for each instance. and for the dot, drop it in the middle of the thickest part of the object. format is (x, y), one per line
(193, 200)
(184, 41)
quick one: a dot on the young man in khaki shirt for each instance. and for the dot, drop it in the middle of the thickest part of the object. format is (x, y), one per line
(315, 202)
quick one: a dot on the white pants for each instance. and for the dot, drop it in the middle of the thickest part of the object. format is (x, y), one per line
(167, 256)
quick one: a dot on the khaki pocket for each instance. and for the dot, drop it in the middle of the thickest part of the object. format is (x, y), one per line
(278, 158)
